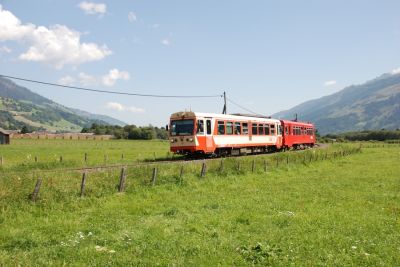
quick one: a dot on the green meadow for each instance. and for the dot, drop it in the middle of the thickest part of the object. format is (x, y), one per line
(336, 206)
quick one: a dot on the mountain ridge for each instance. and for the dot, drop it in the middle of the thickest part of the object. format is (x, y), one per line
(20, 106)
(374, 104)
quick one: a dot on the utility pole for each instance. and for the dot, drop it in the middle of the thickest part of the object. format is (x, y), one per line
(224, 109)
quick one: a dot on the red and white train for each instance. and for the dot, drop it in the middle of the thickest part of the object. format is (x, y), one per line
(192, 133)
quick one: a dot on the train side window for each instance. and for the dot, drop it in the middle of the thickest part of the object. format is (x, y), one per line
(221, 127)
(266, 129)
(245, 128)
(272, 129)
(200, 127)
(280, 130)
(229, 127)
(238, 128)
(286, 130)
(254, 129)
(260, 129)
(208, 122)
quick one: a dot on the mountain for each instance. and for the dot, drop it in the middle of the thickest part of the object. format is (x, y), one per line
(99, 117)
(372, 105)
(19, 106)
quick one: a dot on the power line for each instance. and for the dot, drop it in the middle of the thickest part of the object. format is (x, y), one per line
(106, 91)
(240, 106)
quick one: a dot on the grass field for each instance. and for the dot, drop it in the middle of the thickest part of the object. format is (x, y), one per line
(22, 153)
(343, 211)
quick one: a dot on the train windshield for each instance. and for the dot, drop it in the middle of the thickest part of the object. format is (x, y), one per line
(182, 127)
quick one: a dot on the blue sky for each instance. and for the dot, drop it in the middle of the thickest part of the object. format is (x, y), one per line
(267, 55)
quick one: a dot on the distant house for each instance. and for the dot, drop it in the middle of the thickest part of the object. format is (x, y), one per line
(4, 137)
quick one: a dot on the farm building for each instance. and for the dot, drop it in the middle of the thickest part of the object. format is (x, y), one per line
(4, 137)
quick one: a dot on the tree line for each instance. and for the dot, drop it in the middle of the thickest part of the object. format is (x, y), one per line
(377, 135)
(128, 131)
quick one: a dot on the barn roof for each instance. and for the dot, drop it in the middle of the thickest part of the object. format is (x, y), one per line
(4, 131)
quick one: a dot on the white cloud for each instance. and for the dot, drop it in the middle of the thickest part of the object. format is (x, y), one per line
(396, 71)
(86, 79)
(119, 107)
(11, 27)
(132, 17)
(91, 8)
(57, 45)
(66, 80)
(114, 75)
(329, 83)
(5, 49)
(166, 42)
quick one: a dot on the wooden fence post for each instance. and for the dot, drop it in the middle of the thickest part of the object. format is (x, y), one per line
(181, 175)
(265, 165)
(287, 160)
(154, 176)
(203, 169)
(61, 158)
(83, 184)
(86, 157)
(253, 165)
(122, 156)
(36, 159)
(238, 165)
(221, 166)
(36, 190)
(277, 162)
(122, 178)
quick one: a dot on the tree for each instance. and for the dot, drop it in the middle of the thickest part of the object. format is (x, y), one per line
(25, 129)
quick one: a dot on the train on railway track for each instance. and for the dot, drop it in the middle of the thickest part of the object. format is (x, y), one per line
(211, 134)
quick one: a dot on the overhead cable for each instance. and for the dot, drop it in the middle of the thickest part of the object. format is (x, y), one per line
(106, 91)
(240, 106)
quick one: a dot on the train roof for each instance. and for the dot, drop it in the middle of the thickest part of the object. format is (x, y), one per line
(299, 123)
(190, 114)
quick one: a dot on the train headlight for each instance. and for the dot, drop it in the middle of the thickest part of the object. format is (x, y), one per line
(172, 140)
(190, 139)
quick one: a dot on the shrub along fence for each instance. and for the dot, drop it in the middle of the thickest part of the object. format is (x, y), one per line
(58, 185)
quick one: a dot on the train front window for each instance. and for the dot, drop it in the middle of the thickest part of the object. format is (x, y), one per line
(182, 127)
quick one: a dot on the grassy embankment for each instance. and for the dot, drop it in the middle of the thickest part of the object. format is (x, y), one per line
(339, 211)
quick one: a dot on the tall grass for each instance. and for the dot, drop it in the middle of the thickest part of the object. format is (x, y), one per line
(342, 210)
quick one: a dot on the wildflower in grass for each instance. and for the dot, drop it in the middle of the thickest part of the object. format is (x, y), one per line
(287, 213)
(81, 235)
(353, 247)
(100, 248)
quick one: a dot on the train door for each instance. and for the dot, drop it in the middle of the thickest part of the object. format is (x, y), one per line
(209, 137)
(279, 133)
